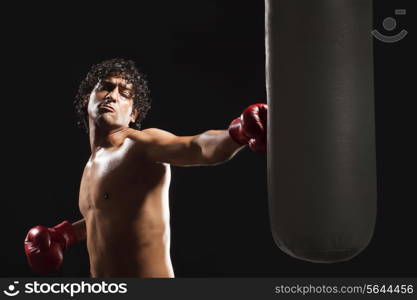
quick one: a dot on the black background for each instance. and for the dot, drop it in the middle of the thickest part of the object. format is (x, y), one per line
(205, 62)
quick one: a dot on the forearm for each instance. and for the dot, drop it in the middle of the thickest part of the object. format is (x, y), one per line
(80, 229)
(216, 146)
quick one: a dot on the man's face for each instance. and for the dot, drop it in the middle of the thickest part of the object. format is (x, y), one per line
(111, 103)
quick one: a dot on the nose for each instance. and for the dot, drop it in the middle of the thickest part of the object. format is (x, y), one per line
(112, 96)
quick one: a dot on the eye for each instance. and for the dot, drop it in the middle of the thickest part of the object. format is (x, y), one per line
(105, 86)
(126, 94)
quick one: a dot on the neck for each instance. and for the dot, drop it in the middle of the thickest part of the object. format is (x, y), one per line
(105, 137)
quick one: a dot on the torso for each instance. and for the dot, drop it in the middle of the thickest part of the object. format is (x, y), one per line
(124, 201)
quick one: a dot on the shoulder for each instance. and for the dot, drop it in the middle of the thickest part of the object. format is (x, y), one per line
(149, 135)
(141, 145)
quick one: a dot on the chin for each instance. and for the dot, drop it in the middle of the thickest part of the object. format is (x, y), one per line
(104, 121)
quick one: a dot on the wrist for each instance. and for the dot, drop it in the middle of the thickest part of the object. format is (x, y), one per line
(80, 230)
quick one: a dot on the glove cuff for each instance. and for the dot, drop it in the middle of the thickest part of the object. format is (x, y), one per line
(66, 230)
(235, 132)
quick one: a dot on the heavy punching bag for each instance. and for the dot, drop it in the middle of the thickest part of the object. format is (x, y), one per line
(321, 139)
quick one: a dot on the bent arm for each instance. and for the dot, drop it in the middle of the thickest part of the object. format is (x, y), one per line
(211, 147)
(80, 230)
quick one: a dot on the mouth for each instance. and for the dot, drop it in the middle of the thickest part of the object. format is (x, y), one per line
(107, 108)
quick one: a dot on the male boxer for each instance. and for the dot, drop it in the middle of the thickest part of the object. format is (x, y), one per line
(124, 187)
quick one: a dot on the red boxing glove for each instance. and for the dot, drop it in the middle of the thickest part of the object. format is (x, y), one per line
(44, 247)
(250, 127)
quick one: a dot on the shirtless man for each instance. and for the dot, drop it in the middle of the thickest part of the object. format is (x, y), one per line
(124, 187)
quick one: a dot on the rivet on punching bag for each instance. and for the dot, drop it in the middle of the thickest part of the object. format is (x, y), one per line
(321, 132)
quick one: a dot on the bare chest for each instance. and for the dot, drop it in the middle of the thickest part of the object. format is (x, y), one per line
(114, 182)
(107, 176)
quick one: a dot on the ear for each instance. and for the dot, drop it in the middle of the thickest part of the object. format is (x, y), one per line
(134, 115)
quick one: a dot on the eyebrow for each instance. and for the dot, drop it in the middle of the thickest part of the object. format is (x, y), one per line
(123, 85)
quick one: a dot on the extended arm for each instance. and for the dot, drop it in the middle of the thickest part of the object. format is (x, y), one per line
(208, 148)
(216, 146)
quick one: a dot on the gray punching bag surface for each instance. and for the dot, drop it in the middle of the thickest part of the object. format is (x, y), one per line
(321, 139)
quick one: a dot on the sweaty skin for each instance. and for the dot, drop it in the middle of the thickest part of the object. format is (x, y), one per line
(124, 187)
(124, 201)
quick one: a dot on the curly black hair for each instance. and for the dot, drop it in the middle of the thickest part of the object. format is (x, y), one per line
(114, 67)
